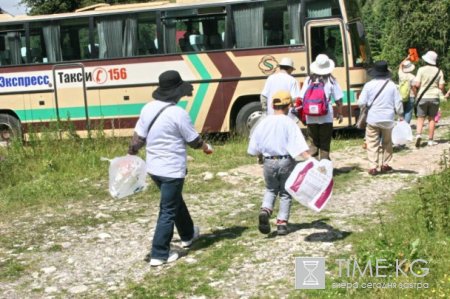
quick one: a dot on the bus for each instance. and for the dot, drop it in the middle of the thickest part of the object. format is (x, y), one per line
(99, 65)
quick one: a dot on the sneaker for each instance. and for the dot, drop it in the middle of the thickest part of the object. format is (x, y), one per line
(418, 140)
(282, 228)
(173, 256)
(432, 142)
(185, 244)
(386, 168)
(264, 224)
(373, 171)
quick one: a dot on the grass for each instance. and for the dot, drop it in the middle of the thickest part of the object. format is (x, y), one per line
(10, 270)
(49, 173)
(414, 226)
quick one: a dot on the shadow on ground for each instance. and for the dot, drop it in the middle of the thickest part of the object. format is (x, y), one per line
(331, 235)
(207, 240)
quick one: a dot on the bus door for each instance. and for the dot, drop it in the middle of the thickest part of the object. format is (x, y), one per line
(327, 37)
(69, 81)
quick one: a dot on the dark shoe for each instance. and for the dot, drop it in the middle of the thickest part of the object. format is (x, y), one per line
(264, 224)
(282, 228)
(386, 168)
(373, 171)
(418, 141)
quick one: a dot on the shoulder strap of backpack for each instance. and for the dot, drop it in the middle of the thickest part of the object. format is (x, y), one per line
(157, 115)
(379, 92)
(428, 86)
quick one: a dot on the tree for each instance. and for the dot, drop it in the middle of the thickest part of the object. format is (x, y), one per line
(393, 26)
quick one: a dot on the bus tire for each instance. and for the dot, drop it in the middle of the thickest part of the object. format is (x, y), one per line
(9, 128)
(247, 117)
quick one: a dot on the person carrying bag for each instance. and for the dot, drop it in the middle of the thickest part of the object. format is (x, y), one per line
(385, 101)
(361, 123)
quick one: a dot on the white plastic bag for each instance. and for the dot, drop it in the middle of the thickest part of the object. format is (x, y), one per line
(401, 133)
(311, 183)
(127, 176)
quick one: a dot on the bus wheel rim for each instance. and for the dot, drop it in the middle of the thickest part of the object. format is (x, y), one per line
(5, 133)
(253, 118)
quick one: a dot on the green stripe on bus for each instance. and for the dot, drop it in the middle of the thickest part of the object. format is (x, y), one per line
(182, 104)
(202, 89)
(79, 112)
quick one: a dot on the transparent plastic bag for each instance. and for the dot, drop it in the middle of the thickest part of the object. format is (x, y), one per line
(127, 176)
(311, 183)
(401, 133)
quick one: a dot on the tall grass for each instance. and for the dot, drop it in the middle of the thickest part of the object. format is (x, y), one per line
(414, 226)
(47, 169)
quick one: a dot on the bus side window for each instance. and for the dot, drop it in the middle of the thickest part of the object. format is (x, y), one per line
(11, 44)
(147, 37)
(273, 23)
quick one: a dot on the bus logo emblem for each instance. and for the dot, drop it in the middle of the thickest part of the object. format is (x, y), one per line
(100, 75)
(268, 64)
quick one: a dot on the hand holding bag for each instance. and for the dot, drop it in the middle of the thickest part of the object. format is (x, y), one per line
(361, 123)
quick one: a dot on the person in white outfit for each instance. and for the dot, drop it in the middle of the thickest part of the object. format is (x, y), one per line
(382, 96)
(320, 128)
(281, 80)
(278, 140)
(165, 130)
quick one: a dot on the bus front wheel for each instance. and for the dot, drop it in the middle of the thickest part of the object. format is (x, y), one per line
(247, 117)
(9, 129)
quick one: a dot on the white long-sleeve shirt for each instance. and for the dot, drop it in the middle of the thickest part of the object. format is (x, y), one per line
(389, 102)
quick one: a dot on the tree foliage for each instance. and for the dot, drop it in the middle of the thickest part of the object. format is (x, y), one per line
(393, 26)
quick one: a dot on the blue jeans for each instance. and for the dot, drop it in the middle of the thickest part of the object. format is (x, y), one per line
(408, 109)
(172, 211)
(276, 172)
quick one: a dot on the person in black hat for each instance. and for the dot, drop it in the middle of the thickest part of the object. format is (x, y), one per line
(382, 96)
(165, 129)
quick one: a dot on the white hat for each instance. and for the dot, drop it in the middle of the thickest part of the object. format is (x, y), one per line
(430, 57)
(408, 66)
(286, 61)
(322, 66)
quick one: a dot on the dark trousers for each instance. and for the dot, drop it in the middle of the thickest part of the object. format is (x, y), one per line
(320, 136)
(172, 211)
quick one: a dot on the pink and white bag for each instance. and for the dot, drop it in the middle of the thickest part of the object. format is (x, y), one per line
(311, 183)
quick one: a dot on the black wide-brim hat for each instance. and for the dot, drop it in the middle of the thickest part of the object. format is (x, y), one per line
(380, 69)
(171, 87)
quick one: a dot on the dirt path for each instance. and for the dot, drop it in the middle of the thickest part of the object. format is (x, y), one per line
(101, 250)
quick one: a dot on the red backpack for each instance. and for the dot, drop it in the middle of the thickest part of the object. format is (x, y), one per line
(315, 102)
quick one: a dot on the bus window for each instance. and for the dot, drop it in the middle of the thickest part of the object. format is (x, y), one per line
(11, 45)
(75, 39)
(38, 46)
(147, 40)
(247, 16)
(361, 54)
(322, 9)
(194, 34)
(328, 40)
(274, 23)
(117, 36)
